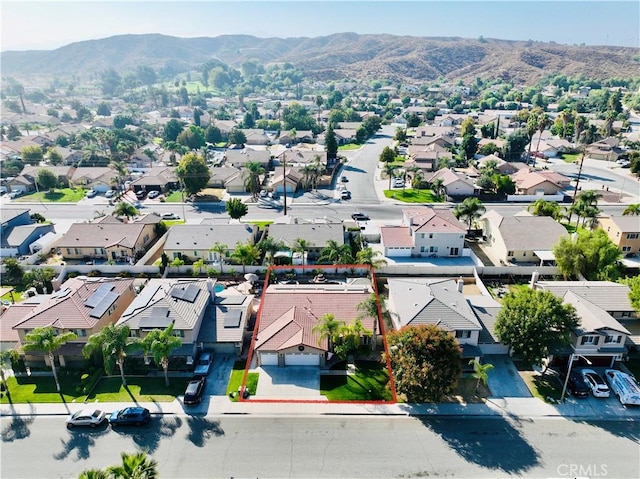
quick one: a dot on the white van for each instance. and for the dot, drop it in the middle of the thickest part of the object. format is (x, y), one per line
(624, 386)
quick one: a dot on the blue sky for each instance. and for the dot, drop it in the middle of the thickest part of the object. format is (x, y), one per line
(50, 24)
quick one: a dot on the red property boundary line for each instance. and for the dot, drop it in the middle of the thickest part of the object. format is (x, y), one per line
(392, 385)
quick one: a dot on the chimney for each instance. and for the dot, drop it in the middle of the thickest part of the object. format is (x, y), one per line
(534, 279)
(460, 284)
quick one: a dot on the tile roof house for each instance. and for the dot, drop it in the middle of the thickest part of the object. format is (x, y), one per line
(83, 306)
(623, 231)
(18, 232)
(158, 178)
(456, 184)
(509, 238)
(288, 314)
(95, 178)
(240, 158)
(316, 234)
(109, 238)
(228, 178)
(425, 232)
(435, 301)
(530, 182)
(193, 242)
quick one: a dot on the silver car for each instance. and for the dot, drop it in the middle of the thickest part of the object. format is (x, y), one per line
(86, 417)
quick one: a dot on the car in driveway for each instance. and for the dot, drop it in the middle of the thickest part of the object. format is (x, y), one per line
(91, 193)
(194, 390)
(598, 385)
(86, 417)
(577, 386)
(154, 194)
(360, 217)
(130, 416)
(203, 365)
(110, 194)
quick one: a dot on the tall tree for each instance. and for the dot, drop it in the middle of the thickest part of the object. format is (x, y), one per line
(301, 245)
(221, 252)
(135, 466)
(634, 294)
(193, 172)
(388, 155)
(246, 253)
(480, 372)
(252, 181)
(330, 143)
(236, 208)
(113, 343)
(270, 246)
(125, 209)
(632, 210)
(336, 253)
(531, 321)
(591, 254)
(469, 210)
(48, 340)
(160, 344)
(370, 257)
(46, 179)
(390, 170)
(438, 188)
(328, 327)
(32, 154)
(425, 362)
(546, 208)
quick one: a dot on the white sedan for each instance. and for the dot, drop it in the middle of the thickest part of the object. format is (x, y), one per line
(86, 417)
(598, 387)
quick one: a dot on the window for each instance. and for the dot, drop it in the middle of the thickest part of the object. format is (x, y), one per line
(366, 340)
(593, 340)
(195, 253)
(463, 334)
(69, 250)
(179, 333)
(422, 235)
(134, 333)
(146, 238)
(81, 333)
(612, 339)
(509, 253)
(78, 251)
(626, 249)
(433, 249)
(632, 235)
(430, 235)
(422, 248)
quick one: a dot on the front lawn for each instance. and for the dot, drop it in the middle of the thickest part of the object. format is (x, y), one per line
(170, 223)
(64, 195)
(144, 389)
(42, 389)
(349, 146)
(570, 157)
(235, 380)
(174, 197)
(369, 383)
(15, 295)
(466, 392)
(262, 225)
(546, 387)
(411, 195)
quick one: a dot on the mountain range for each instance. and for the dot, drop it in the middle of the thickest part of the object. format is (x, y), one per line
(333, 57)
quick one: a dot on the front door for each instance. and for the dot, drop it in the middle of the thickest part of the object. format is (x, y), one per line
(454, 252)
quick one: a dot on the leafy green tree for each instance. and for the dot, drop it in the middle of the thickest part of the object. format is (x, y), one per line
(172, 129)
(53, 156)
(591, 254)
(388, 155)
(46, 179)
(469, 146)
(246, 253)
(438, 188)
(192, 137)
(213, 134)
(13, 271)
(32, 154)
(7, 358)
(125, 209)
(301, 245)
(336, 253)
(469, 210)
(480, 372)
(113, 343)
(270, 246)
(514, 145)
(94, 474)
(348, 340)
(39, 278)
(468, 127)
(634, 295)
(531, 321)
(236, 208)
(252, 181)
(48, 340)
(135, 466)
(546, 208)
(370, 257)
(632, 210)
(425, 362)
(160, 344)
(330, 142)
(237, 137)
(328, 327)
(296, 116)
(103, 109)
(390, 170)
(193, 172)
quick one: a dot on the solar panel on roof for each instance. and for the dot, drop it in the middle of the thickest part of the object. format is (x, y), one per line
(98, 295)
(235, 299)
(177, 293)
(190, 293)
(63, 293)
(160, 311)
(155, 322)
(232, 319)
(104, 304)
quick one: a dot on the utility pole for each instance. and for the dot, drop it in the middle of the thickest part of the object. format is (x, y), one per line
(573, 200)
(284, 180)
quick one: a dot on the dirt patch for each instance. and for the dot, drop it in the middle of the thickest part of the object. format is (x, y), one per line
(466, 392)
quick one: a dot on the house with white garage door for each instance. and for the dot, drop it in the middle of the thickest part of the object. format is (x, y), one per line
(289, 312)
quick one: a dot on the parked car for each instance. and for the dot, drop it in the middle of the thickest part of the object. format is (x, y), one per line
(86, 417)
(140, 194)
(264, 193)
(14, 194)
(154, 194)
(577, 386)
(624, 386)
(598, 386)
(91, 193)
(132, 416)
(195, 388)
(110, 194)
(345, 195)
(360, 217)
(344, 179)
(203, 365)
(170, 216)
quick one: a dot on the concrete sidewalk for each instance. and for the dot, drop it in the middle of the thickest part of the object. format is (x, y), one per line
(520, 408)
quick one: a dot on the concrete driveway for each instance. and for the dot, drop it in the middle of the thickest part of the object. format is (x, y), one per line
(218, 378)
(504, 380)
(291, 383)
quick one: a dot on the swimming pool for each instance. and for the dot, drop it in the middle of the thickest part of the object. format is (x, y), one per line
(218, 288)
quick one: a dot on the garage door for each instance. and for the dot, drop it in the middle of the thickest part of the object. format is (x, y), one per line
(302, 359)
(269, 359)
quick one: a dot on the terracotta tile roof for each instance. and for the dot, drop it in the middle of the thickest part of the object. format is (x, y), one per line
(433, 220)
(289, 313)
(396, 236)
(96, 235)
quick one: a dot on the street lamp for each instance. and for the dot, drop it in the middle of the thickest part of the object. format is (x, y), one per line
(566, 380)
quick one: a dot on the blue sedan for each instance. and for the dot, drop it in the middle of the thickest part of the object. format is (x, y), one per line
(130, 416)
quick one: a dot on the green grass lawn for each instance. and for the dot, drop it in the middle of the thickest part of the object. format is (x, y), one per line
(235, 380)
(260, 224)
(369, 383)
(138, 389)
(170, 223)
(17, 294)
(66, 195)
(541, 386)
(349, 146)
(174, 197)
(570, 157)
(42, 389)
(411, 195)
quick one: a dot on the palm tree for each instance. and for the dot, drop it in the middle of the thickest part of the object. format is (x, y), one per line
(469, 210)
(114, 343)
(120, 167)
(246, 253)
(125, 209)
(480, 372)
(389, 170)
(301, 245)
(160, 344)
(543, 122)
(94, 474)
(135, 466)
(48, 340)
(369, 257)
(546, 208)
(6, 362)
(328, 327)
(335, 253)
(270, 247)
(438, 188)
(221, 250)
(252, 181)
(632, 210)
